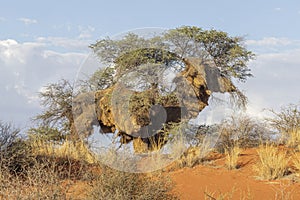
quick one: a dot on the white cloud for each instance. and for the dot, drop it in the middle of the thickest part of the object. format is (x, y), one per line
(275, 81)
(271, 41)
(2, 19)
(273, 45)
(73, 44)
(25, 68)
(85, 32)
(27, 21)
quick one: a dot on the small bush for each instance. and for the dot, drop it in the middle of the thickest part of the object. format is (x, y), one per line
(241, 130)
(273, 162)
(15, 153)
(40, 182)
(200, 141)
(117, 185)
(287, 123)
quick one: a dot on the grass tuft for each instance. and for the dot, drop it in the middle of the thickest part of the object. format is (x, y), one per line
(232, 155)
(273, 162)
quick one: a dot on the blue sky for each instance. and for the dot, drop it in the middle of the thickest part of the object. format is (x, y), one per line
(43, 41)
(255, 19)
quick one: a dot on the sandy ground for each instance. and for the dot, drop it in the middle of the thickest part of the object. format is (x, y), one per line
(214, 178)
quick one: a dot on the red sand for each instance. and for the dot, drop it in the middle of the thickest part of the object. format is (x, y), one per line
(192, 183)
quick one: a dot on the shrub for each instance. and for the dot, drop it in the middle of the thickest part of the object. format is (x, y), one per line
(273, 162)
(40, 182)
(287, 123)
(8, 135)
(241, 130)
(15, 153)
(199, 140)
(118, 185)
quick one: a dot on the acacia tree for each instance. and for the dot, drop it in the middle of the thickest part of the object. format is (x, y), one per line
(226, 52)
(170, 49)
(57, 117)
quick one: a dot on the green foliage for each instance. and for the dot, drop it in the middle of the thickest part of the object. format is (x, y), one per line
(226, 52)
(182, 41)
(109, 50)
(131, 60)
(101, 79)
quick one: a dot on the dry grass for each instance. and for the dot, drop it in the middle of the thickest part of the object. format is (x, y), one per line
(117, 185)
(41, 181)
(293, 138)
(193, 155)
(273, 162)
(46, 177)
(68, 149)
(232, 156)
(189, 158)
(296, 161)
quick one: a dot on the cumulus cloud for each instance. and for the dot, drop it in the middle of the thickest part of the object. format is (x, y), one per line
(27, 21)
(275, 81)
(271, 41)
(25, 69)
(71, 44)
(273, 45)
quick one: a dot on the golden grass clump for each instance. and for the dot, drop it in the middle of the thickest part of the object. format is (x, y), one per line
(296, 161)
(68, 149)
(273, 162)
(232, 155)
(194, 155)
(293, 138)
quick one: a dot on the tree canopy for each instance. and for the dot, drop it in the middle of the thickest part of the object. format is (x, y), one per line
(225, 52)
